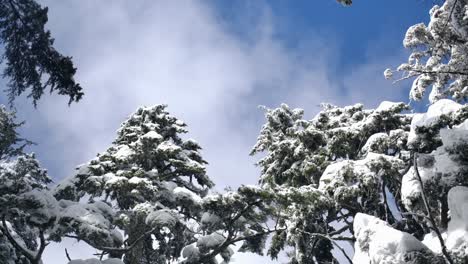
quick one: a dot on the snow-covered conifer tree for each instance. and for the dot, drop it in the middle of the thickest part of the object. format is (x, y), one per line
(154, 180)
(348, 157)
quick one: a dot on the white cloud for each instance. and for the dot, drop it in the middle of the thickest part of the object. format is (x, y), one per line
(182, 54)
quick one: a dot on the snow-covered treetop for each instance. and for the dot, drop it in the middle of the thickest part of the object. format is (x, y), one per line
(439, 54)
(298, 151)
(147, 158)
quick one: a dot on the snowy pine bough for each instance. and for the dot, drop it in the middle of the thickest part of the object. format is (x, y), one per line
(439, 54)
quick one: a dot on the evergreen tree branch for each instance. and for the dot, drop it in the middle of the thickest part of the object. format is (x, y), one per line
(338, 231)
(16, 12)
(345, 219)
(230, 240)
(428, 211)
(131, 246)
(67, 255)
(343, 238)
(43, 244)
(456, 72)
(26, 252)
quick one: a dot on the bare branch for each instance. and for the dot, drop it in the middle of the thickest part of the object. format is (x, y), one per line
(42, 246)
(67, 255)
(338, 231)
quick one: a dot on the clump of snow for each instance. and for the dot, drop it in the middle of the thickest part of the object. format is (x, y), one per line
(209, 219)
(432, 242)
(210, 241)
(410, 188)
(138, 180)
(435, 112)
(377, 242)
(184, 193)
(169, 147)
(45, 206)
(90, 221)
(161, 218)
(123, 152)
(191, 252)
(152, 135)
(169, 185)
(376, 142)
(457, 238)
(387, 106)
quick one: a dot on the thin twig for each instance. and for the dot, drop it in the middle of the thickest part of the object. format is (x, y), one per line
(431, 218)
(67, 255)
(338, 231)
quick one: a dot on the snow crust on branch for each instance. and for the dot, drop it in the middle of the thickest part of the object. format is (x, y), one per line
(378, 242)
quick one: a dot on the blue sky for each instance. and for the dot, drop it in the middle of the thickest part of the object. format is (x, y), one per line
(352, 29)
(213, 63)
